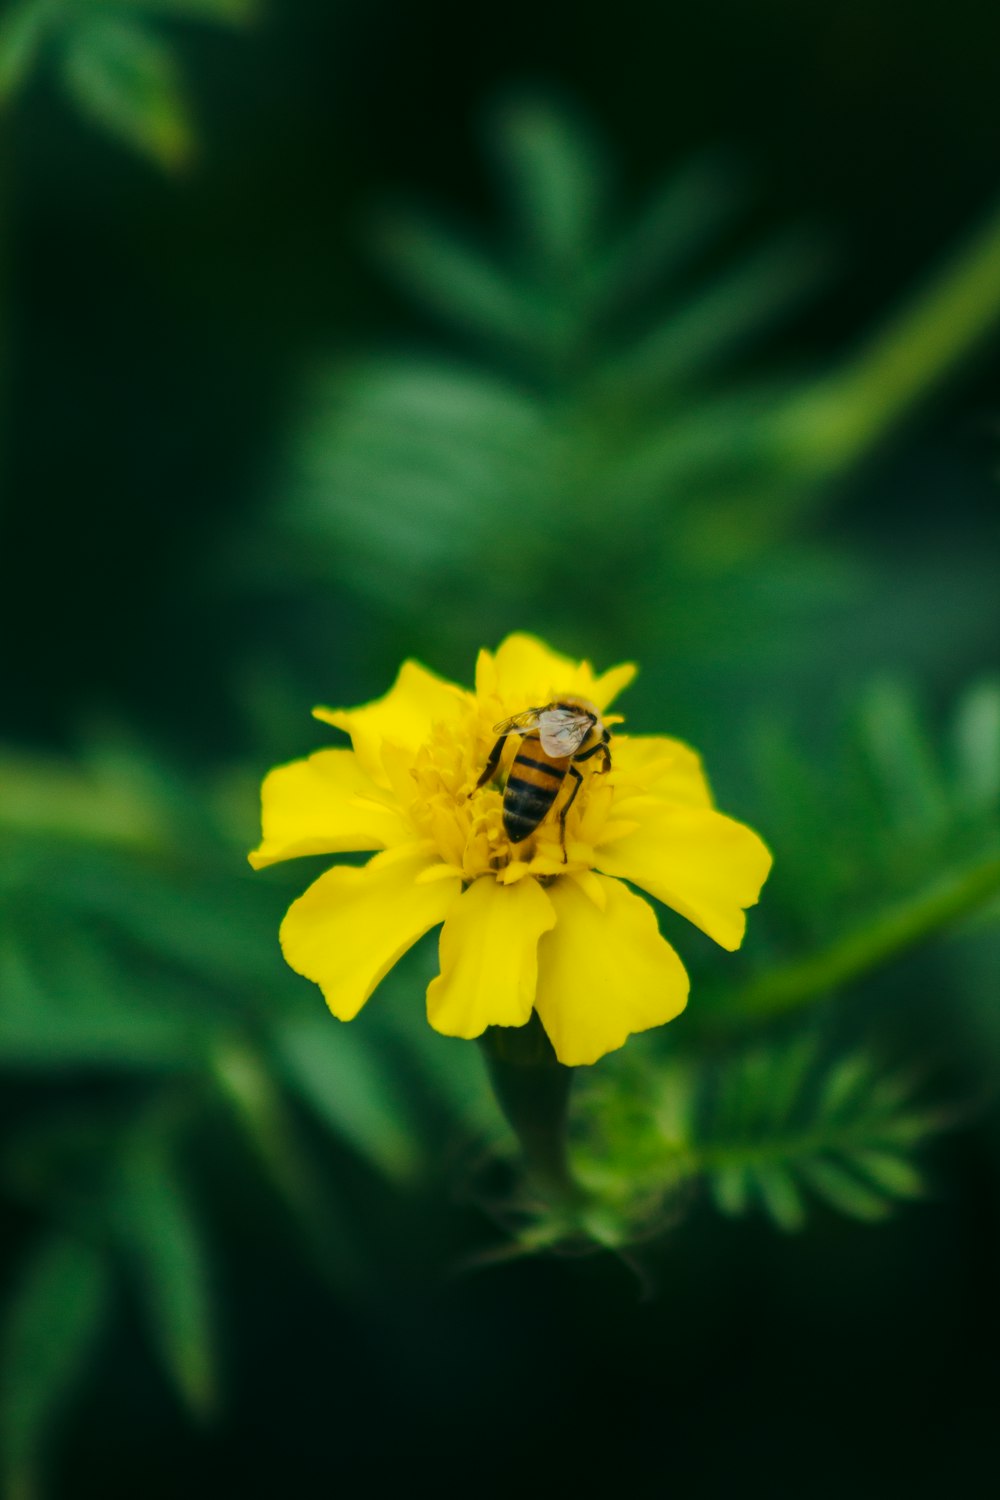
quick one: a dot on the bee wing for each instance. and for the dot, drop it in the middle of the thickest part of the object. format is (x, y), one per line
(562, 731)
(518, 722)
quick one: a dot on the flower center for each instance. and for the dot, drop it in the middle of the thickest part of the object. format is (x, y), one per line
(466, 824)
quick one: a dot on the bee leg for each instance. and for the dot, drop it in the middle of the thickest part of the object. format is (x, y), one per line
(577, 783)
(600, 748)
(491, 765)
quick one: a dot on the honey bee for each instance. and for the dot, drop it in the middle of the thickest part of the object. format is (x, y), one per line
(555, 739)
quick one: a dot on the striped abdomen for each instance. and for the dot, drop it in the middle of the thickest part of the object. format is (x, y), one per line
(532, 787)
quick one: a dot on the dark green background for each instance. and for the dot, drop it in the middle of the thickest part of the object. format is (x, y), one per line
(161, 325)
(162, 333)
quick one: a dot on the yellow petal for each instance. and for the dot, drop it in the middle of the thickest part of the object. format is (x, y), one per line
(404, 716)
(489, 958)
(604, 974)
(706, 866)
(592, 887)
(605, 689)
(322, 806)
(526, 673)
(352, 925)
(524, 669)
(657, 764)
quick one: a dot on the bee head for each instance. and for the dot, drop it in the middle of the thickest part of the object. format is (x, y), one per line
(581, 706)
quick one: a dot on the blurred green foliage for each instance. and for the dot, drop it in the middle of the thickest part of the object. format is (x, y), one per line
(769, 1127)
(606, 423)
(113, 64)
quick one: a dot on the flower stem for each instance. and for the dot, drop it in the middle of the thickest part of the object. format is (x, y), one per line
(867, 946)
(532, 1089)
(841, 419)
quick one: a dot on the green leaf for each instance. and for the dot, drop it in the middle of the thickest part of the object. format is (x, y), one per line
(445, 1075)
(682, 452)
(127, 80)
(164, 1244)
(787, 1115)
(911, 842)
(71, 1013)
(54, 1317)
(408, 467)
(675, 228)
(787, 1079)
(780, 1197)
(262, 1111)
(976, 739)
(463, 285)
(554, 176)
(730, 1188)
(717, 321)
(352, 1091)
(846, 1084)
(22, 34)
(890, 1172)
(42, 794)
(745, 1103)
(901, 755)
(208, 926)
(843, 1191)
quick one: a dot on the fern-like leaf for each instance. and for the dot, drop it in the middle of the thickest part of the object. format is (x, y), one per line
(779, 1125)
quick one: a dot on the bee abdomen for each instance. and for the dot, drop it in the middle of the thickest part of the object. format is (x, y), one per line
(530, 791)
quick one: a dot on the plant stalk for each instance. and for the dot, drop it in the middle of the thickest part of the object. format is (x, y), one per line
(843, 417)
(532, 1088)
(866, 947)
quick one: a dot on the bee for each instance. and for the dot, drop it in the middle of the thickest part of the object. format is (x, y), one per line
(555, 739)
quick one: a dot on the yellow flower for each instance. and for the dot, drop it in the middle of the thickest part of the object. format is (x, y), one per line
(533, 925)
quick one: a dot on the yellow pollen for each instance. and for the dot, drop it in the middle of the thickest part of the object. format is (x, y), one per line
(466, 824)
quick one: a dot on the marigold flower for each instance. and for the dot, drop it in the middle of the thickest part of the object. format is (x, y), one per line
(545, 924)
